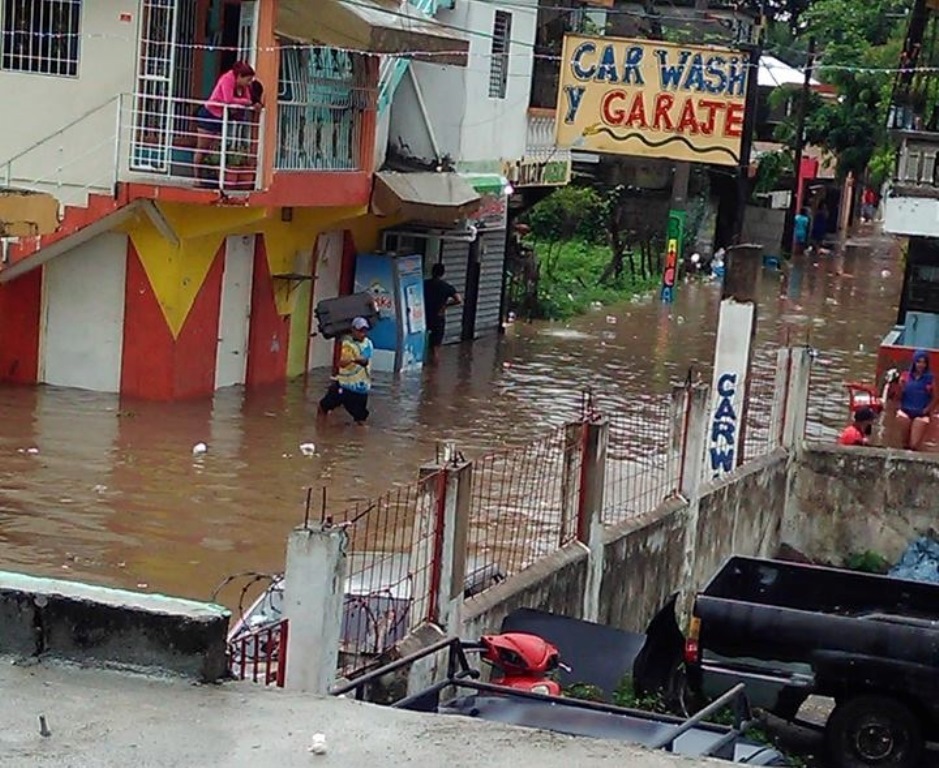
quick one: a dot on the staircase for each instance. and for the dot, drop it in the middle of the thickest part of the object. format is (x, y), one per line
(77, 164)
(393, 68)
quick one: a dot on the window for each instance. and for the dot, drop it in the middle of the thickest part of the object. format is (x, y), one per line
(40, 36)
(499, 64)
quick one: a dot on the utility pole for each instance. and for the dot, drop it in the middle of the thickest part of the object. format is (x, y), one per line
(755, 51)
(796, 192)
(678, 208)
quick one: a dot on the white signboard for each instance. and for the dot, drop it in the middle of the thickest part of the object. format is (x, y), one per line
(728, 390)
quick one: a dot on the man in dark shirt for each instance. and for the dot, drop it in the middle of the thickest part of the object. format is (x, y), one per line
(438, 296)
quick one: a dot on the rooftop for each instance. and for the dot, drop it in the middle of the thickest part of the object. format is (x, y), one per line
(101, 718)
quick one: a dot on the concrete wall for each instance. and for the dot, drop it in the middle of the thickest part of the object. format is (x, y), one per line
(845, 500)
(43, 104)
(643, 563)
(556, 583)
(764, 226)
(676, 548)
(742, 514)
(111, 627)
(470, 127)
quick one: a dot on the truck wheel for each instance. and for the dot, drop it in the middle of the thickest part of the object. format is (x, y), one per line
(874, 731)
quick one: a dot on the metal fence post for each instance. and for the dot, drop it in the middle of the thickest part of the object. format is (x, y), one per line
(590, 512)
(314, 597)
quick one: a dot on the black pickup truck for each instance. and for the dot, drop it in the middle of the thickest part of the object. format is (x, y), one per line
(788, 631)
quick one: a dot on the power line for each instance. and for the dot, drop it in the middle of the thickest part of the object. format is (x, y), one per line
(431, 54)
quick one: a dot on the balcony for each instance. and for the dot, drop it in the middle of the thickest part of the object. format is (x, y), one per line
(544, 164)
(161, 141)
(153, 146)
(912, 205)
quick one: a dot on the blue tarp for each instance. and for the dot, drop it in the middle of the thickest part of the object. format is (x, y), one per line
(920, 562)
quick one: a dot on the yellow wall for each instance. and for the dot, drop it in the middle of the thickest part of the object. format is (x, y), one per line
(177, 272)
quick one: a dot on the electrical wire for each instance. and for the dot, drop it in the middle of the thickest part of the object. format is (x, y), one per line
(818, 66)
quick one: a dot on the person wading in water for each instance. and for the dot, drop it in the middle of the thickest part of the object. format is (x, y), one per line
(354, 378)
(439, 295)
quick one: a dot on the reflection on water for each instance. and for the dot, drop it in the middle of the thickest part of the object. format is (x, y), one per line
(110, 491)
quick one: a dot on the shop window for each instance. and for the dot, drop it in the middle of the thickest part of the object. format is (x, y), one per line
(40, 36)
(499, 63)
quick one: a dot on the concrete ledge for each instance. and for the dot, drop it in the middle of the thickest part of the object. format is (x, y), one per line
(553, 583)
(111, 627)
(750, 467)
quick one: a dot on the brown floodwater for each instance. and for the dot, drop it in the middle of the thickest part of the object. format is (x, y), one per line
(110, 492)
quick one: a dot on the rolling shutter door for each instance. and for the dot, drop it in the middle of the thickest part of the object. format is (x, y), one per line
(453, 256)
(492, 260)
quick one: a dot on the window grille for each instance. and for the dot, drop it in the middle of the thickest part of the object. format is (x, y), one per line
(499, 63)
(40, 36)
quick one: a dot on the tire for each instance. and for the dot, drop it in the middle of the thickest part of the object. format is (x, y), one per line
(874, 732)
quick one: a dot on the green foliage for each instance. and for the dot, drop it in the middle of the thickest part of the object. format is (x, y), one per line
(857, 42)
(625, 696)
(569, 212)
(882, 164)
(584, 691)
(570, 274)
(772, 167)
(868, 562)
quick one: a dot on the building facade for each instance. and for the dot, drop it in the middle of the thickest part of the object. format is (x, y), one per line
(176, 270)
(179, 268)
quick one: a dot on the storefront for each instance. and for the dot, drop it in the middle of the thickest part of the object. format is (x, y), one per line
(473, 253)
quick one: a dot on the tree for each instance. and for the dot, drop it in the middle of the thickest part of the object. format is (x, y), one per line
(860, 43)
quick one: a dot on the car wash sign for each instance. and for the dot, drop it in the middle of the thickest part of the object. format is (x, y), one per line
(728, 391)
(652, 99)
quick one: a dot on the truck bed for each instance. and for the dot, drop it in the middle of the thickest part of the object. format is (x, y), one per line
(824, 590)
(787, 630)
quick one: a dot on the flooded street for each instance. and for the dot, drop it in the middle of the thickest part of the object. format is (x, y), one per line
(110, 492)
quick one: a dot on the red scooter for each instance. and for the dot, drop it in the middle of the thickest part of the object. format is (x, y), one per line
(522, 661)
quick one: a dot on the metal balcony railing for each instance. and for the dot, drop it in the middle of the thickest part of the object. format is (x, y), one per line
(916, 161)
(323, 96)
(162, 140)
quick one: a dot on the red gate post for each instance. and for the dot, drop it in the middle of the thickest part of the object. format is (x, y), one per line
(439, 551)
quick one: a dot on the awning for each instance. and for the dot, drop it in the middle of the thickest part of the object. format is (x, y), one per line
(487, 183)
(27, 214)
(434, 198)
(372, 26)
(774, 73)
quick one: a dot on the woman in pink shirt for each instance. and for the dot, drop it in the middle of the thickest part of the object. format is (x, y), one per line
(232, 89)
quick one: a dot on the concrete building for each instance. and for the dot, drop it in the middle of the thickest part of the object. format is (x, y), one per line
(478, 123)
(911, 202)
(174, 271)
